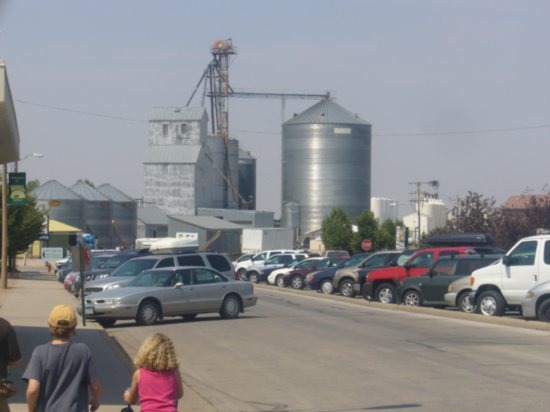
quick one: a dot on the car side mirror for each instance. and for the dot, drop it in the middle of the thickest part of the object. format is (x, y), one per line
(178, 285)
(506, 260)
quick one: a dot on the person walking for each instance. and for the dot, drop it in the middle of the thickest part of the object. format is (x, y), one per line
(10, 355)
(60, 372)
(156, 383)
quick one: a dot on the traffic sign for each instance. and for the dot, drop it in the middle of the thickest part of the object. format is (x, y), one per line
(366, 245)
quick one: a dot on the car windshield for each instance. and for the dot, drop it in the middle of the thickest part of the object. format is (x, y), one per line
(355, 260)
(98, 261)
(158, 278)
(114, 262)
(134, 267)
(403, 258)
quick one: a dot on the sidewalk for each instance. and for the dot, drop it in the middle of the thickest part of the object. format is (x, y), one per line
(26, 304)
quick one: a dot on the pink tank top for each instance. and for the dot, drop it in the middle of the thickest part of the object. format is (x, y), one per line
(157, 391)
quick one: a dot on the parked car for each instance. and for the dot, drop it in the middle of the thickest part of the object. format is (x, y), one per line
(295, 278)
(242, 258)
(115, 261)
(536, 303)
(124, 274)
(505, 284)
(381, 284)
(321, 280)
(159, 293)
(71, 279)
(277, 275)
(430, 289)
(259, 273)
(335, 253)
(257, 259)
(458, 294)
(348, 280)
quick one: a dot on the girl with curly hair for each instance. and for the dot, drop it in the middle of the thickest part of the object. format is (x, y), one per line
(156, 383)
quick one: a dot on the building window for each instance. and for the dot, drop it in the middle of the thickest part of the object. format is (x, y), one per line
(164, 130)
(183, 128)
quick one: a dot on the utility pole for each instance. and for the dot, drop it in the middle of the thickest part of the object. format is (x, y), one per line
(4, 269)
(419, 200)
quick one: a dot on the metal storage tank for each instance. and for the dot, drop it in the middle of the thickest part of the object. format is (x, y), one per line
(123, 215)
(290, 215)
(62, 204)
(97, 213)
(326, 163)
(247, 180)
(383, 208)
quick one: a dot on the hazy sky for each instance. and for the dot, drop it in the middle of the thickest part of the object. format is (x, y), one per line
(416, 70)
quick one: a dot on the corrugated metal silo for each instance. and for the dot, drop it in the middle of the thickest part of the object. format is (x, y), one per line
(290, 215)
(326, 163)
(123, 213)
(62, 204)
(247, 179)
(97, 213)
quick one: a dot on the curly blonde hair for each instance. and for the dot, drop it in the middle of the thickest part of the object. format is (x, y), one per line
(157, 353)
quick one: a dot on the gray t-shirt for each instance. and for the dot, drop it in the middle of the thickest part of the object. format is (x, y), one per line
(64, 372)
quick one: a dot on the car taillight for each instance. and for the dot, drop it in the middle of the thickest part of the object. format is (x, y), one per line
(236, 276)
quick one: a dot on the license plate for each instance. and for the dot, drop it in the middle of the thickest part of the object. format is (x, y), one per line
(89, 309)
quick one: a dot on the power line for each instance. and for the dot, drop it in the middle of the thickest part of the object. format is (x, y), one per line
(404, 134)
(64, 109)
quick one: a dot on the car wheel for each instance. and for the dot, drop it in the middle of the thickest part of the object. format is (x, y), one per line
(242, 274)
(385, 293)
(346, 289)
(465, 304)
(253, 277)
(231, 307)
(148, 313)
(190, 316)
(491, 303)
(280, 281)
(297, 282)
(543, 313)
(412, 298)
(326, 287)
(106, 323)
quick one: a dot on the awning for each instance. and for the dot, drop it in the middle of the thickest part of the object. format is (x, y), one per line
(55, 226)
(9, 133)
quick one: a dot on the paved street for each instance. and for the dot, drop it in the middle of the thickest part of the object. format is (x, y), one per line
(305, 352)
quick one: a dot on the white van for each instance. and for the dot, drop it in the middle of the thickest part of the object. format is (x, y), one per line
(504, 284)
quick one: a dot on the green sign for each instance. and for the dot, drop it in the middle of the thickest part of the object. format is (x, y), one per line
(17, 189)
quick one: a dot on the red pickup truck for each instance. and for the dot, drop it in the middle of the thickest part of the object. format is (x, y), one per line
(380, 284)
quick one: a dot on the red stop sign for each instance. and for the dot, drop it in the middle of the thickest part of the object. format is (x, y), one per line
(366, 245)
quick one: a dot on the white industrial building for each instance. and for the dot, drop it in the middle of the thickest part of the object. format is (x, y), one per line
(433, 214)
(383, 208)
(183, 166)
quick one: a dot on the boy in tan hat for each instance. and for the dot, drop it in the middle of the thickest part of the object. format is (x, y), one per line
(59, 373)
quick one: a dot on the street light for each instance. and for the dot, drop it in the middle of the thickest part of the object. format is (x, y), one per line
(37, 155)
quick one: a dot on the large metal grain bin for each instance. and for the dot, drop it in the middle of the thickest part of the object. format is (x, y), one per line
(123, 216)
(97, 213)
(62, 203)
(247, 180)
(326, 163)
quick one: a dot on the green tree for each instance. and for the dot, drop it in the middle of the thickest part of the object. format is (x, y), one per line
(367, 228)
(336, 231)
(385, 236)
(24, 227)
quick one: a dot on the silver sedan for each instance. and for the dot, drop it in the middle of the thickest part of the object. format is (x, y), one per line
(159, 293)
